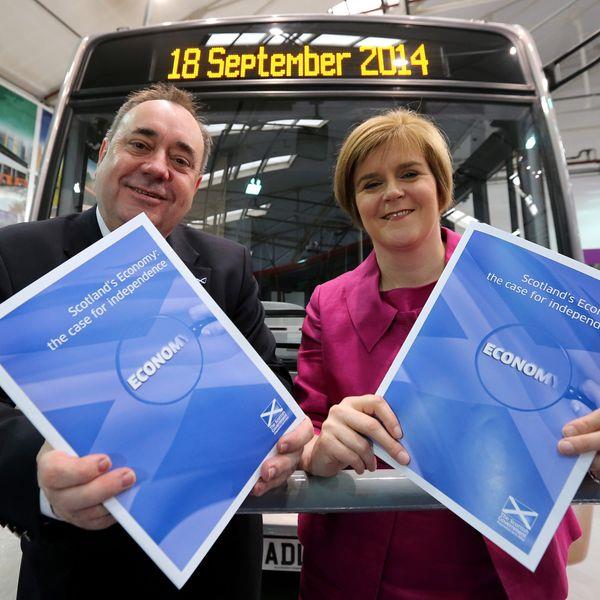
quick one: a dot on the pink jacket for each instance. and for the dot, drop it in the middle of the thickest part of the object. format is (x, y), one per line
(346, 351)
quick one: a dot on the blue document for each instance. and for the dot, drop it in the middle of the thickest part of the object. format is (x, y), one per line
(493, 368)
(120, 350)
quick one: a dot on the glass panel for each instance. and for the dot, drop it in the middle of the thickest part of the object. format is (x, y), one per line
(499, 170)
(268, 183)
(74, 190)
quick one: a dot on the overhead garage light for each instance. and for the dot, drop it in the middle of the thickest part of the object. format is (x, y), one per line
(215, 129)
(222, 39)
(231, 216)
(249, 39)
(379, 42)
(274, 163)
(329, 39)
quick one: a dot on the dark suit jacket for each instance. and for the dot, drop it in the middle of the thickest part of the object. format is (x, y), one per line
(59, 560)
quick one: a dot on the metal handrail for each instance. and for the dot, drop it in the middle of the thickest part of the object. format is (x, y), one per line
(381, 490)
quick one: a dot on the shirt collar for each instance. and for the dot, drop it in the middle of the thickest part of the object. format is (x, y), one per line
(104, 230)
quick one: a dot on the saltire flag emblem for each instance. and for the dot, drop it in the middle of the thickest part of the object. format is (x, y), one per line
(274, 416)
(519, 512)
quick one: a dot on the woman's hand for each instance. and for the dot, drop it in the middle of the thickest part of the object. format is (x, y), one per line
(276, 470)
(347, 435)
(583, 434)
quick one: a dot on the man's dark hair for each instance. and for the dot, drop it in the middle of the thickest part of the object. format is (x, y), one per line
(163, 91)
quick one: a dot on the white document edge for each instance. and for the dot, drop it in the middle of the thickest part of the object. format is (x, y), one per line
(531, 559)
(34, 414)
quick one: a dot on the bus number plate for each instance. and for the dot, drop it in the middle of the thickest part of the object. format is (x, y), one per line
(282, 554)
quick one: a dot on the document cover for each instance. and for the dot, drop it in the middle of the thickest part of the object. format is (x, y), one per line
(488, 376)
(120, 350)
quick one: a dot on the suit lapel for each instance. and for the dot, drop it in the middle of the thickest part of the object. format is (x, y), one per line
(189, 255)
(370, 316)
(82, 232)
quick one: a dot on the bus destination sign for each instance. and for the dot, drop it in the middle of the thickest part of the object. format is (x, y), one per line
(415, 61)
(334, 51)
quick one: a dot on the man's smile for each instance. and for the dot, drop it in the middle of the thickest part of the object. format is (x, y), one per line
(146, 192)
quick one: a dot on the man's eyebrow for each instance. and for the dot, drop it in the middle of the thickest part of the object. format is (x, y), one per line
(147, 131)
(186, 148)
(152, 133)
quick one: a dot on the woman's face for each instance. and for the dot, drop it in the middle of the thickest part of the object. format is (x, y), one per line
(396, 197)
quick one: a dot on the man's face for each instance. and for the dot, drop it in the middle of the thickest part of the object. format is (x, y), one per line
(151, 165)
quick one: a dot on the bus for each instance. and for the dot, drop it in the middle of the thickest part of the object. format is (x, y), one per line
(281, 93)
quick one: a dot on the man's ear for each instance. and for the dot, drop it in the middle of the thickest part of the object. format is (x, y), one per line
(103, 150)
(198, 181)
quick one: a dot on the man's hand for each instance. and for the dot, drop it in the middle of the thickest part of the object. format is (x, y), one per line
(276, 470)
(583, 434)
(76, 487)
(347, 435)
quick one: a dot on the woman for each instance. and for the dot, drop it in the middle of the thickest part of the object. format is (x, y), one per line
(394, 178)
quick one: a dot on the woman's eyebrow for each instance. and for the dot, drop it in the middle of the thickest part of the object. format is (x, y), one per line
(404, 165)
(365, 176)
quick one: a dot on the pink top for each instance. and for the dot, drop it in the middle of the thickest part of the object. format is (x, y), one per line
(351, 334)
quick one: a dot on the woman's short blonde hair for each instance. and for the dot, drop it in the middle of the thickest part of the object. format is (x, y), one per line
(401, 127)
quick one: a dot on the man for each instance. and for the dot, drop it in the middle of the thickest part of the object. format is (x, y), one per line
(150, 161)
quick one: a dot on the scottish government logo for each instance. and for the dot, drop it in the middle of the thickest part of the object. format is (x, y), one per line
(517, 517)
(274, 417)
